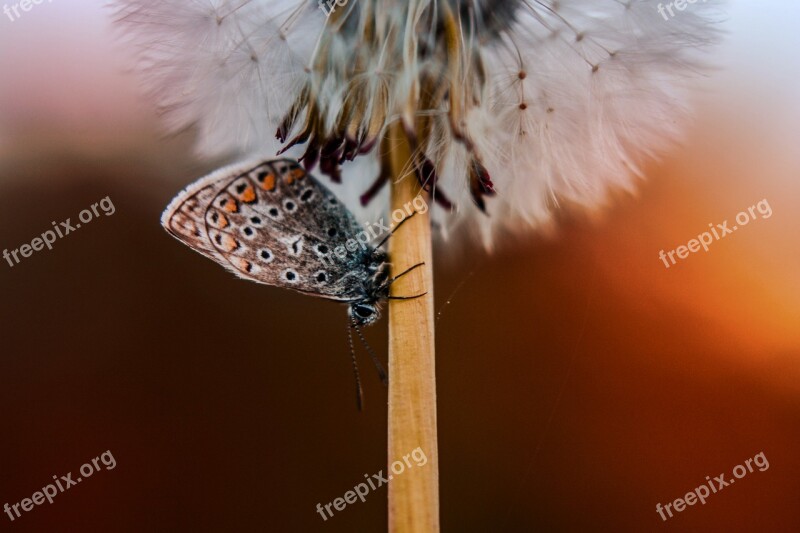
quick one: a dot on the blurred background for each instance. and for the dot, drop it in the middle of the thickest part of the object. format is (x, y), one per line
(580, 382)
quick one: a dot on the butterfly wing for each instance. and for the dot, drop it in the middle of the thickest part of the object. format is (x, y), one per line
(272, 223)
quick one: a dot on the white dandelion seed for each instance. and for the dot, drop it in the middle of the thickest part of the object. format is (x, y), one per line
(511, 105)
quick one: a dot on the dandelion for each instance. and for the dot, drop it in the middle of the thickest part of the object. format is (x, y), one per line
(498, 110)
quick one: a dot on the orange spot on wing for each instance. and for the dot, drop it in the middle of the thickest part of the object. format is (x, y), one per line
(249, 194)
(231, 206)
(223, 221)
(229, 244)
(269, 183)
(294, 175)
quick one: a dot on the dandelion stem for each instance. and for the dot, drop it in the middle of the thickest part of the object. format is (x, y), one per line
(414, 495)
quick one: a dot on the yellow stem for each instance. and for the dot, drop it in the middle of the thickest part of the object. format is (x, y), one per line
(413, 494)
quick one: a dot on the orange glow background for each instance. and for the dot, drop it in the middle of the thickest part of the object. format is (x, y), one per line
(580, 382)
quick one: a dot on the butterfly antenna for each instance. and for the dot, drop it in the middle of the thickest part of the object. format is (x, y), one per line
(378, 365)
(397, 227)
(359, 392)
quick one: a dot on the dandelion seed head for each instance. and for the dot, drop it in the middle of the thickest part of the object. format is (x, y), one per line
(510, 106)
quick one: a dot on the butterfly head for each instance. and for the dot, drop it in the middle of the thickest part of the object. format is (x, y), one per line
(363, 313)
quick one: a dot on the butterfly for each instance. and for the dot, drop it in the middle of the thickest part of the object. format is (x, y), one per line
(273, 223)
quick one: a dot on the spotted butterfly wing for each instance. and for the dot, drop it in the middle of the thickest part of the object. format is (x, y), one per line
(272, 223)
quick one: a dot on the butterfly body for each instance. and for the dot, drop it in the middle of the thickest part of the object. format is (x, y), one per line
(273, 223)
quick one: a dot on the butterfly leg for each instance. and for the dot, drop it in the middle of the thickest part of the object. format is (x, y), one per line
(407, 297)
(403, 273)
(406, 271)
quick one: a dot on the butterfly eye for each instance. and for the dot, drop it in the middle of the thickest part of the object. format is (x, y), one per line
(363, 311)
